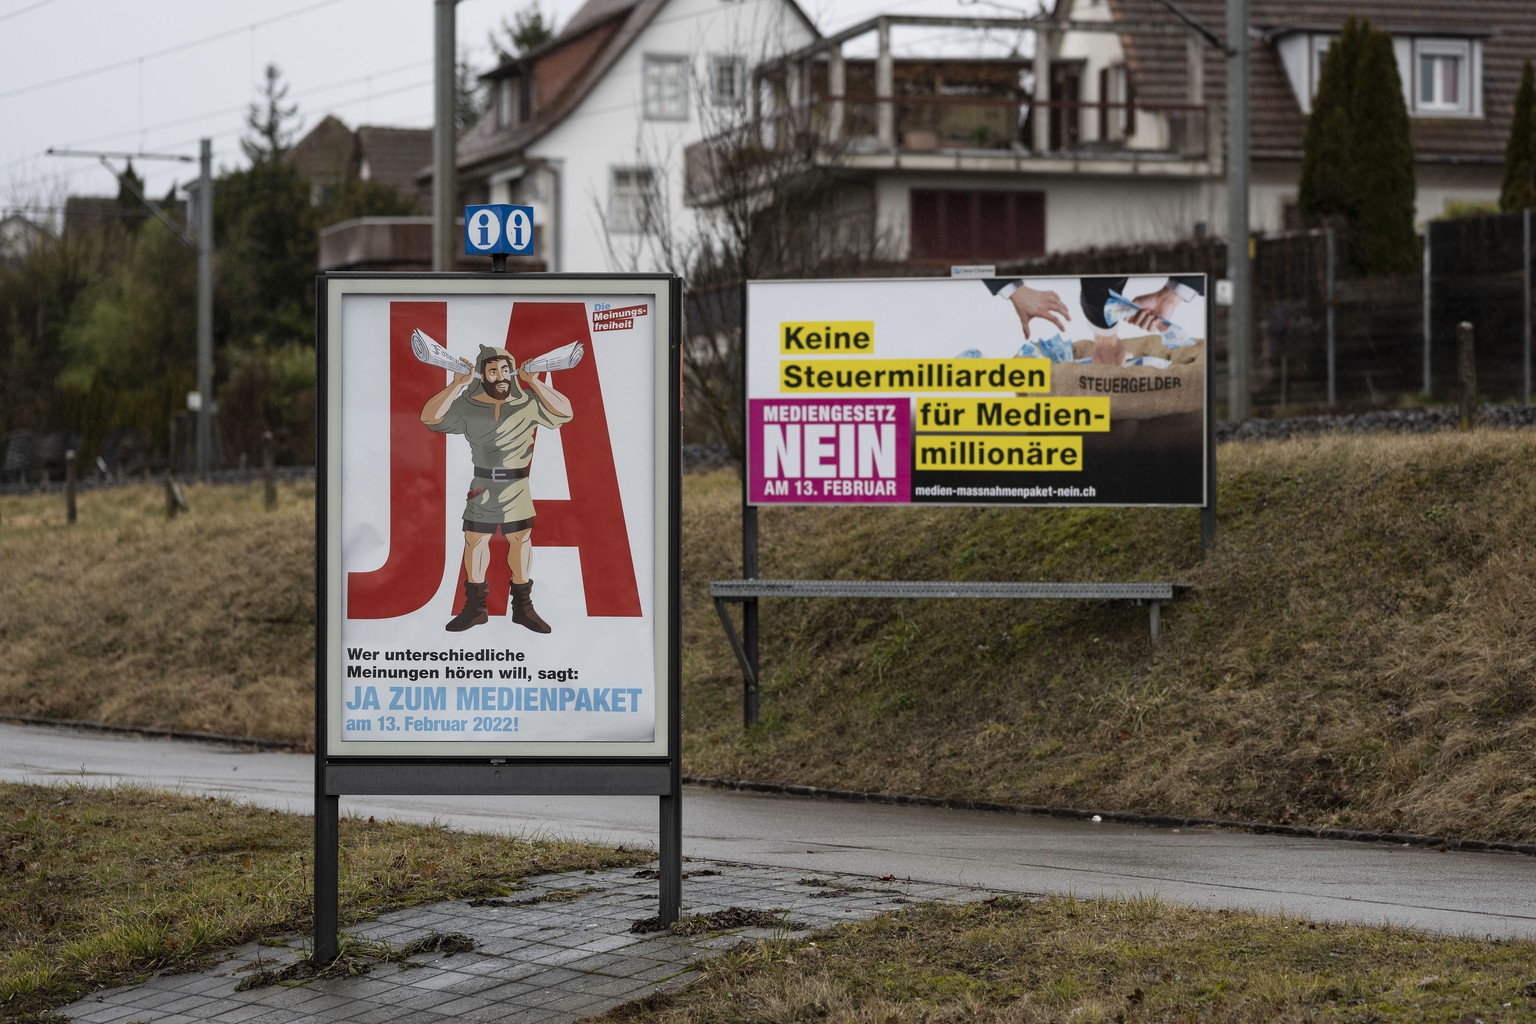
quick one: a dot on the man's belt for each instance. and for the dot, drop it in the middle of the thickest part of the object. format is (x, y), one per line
(500, 474)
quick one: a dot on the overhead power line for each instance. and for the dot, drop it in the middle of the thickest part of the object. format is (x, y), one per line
(31, 7)
(131, 61)
(243, 108)
(353, 101)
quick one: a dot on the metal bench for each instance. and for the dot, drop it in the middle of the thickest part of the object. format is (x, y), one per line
(744, 591)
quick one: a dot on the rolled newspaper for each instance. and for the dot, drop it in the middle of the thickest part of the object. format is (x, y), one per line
(563, 358)
(433, 354)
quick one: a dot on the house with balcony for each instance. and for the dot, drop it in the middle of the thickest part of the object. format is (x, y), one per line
(1109, 131)
(589, 128)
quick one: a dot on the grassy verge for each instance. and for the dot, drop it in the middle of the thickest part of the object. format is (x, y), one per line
(1101, 961)
(99, 886)
(202, 623)
(1355, 653)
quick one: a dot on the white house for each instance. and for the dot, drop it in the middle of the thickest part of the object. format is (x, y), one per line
(1109, 130)
(19, 236)
(590, 128)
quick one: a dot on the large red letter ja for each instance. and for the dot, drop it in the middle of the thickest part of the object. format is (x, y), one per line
(590, 520)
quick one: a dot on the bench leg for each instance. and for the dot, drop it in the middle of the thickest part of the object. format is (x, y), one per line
(1156, 615)
(748, 669)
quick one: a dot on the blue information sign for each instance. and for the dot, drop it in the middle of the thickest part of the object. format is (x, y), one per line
(498, 229)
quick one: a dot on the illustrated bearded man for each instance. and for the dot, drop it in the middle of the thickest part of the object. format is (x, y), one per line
(498, 418)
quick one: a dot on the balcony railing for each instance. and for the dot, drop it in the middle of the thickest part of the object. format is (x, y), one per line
(830, 129)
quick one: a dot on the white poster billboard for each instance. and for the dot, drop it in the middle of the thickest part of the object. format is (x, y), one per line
(498, 501)
(1016, 391)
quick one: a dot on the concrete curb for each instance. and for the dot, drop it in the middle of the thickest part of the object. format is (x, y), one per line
(1123, 817)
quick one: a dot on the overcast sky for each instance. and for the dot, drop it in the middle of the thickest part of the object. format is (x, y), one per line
(155, 76)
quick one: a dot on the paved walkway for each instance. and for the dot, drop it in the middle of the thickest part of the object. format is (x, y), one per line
(560, 950)
(1455, 893)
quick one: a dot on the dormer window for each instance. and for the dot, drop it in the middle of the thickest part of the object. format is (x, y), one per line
(505, 102)
(1441, 75)
(513, 101)
(1441, 72)
(1439, 82)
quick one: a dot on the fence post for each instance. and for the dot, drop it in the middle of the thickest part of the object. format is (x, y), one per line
(175, 500)
(1428, 254)
(1525, 248)
(1333, 348)
(69, 486)
(269, 470)
(1466, 372)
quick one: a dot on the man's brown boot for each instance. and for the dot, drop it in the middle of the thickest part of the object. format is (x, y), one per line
(522, 608)
(474, 612)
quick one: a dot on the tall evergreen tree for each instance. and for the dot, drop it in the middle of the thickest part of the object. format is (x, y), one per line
(271, 124)
(1518, 190)
(268, 231)
(525, 30)
(1357, 156)
(1325, 194)
(1382, 169)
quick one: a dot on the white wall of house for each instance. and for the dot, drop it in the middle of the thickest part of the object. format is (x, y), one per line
(1272, 189)
(610, 131)
(1081, 210)
(1275, 184)
(1083, 213)
(1442, 184)
(1096, 51)
(1093, 210)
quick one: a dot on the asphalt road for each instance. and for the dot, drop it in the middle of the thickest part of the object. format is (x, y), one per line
(1478, 894)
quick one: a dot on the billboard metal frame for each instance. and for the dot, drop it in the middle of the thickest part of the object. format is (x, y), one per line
(499, 769)
(748, 590)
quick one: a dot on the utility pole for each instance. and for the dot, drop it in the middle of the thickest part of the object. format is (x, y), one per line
(205, 308)
(1239, 316)
(444, 179)
(203, 246)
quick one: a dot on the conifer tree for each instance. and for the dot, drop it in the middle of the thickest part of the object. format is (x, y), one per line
(1383, 162)
(1357, 157)
(1519, 187)
(267, 231)
(1325, 193)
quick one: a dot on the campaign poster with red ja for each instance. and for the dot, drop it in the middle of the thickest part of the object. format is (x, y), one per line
(497, 500)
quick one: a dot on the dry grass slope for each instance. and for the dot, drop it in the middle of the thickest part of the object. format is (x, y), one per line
(1356, 652)
(204, 623)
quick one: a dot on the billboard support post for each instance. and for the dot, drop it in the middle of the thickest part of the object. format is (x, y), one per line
(327, 875)
(749, 616)
(1208, 510)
